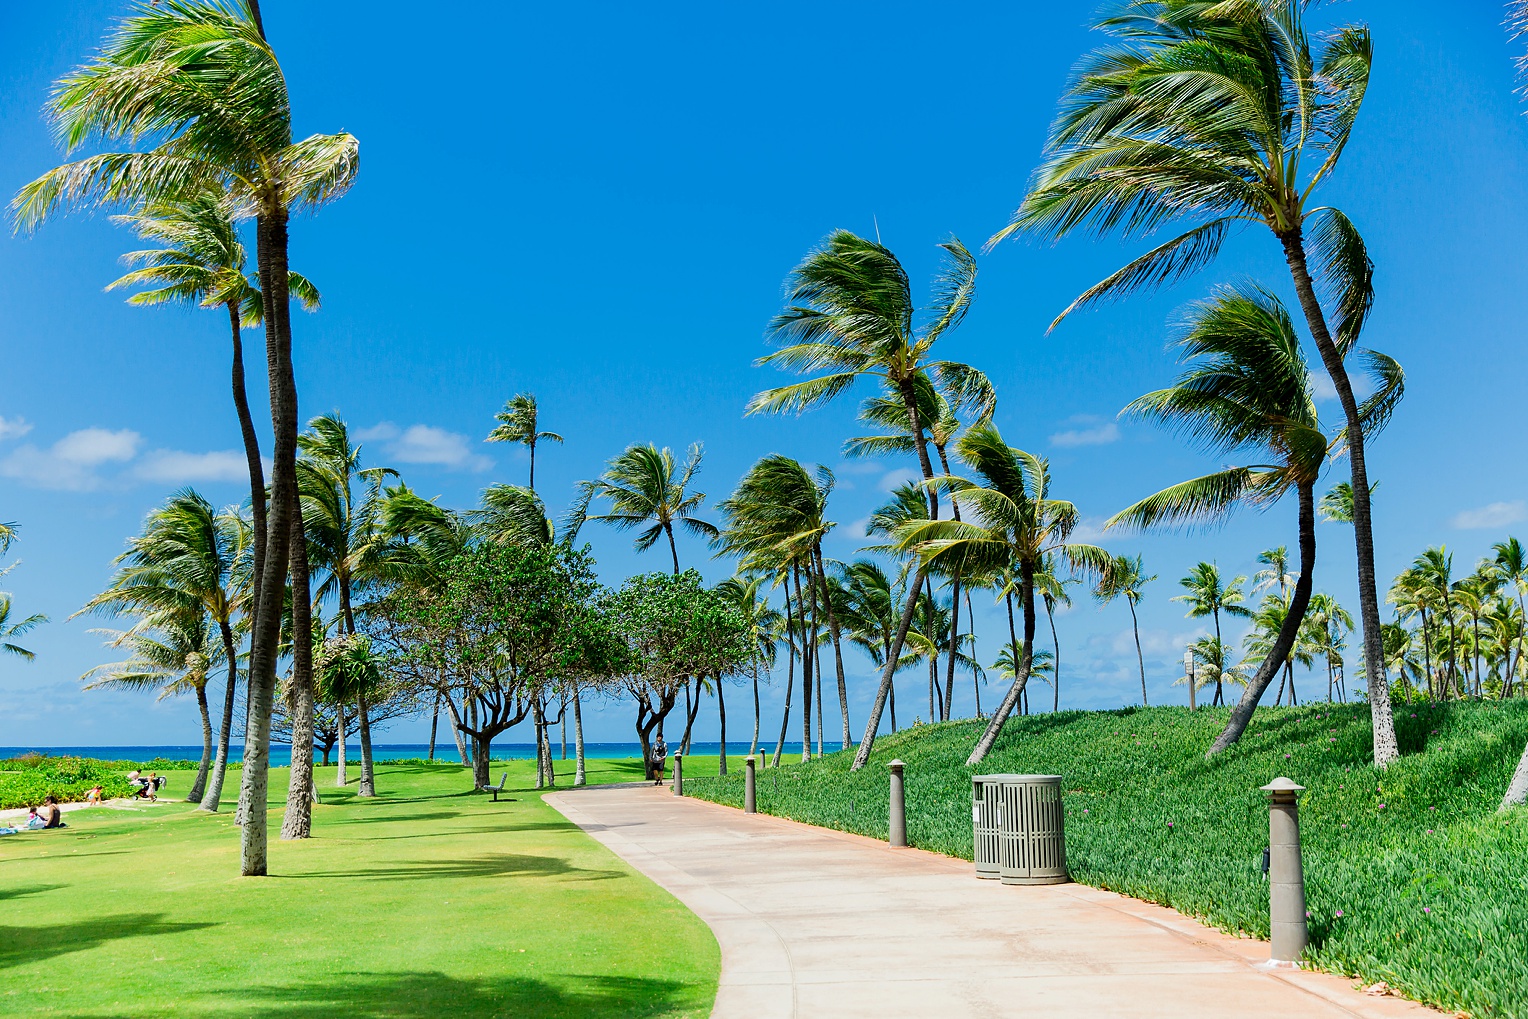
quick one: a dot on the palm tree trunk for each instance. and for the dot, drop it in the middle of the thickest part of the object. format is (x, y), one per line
(1140, 659)
(214, 794)
(808, 638)
(867, 742)
(341, 775)
(532, 445)
(1050, 617)
(817, 671)
(1220, 671)
(834, 631)
(298, 820)
(456, 731)
(753, 746)
(251, 440)
(434, 723)
(691, 711)
(949, 674)
(933, 685)
(368, 772)
(785, 717)
(579, 775)
(200, 785)
(1021, 677)
(1289, 630)
(254, 788)
(721, 714)
(1386, 749)
(673, 549)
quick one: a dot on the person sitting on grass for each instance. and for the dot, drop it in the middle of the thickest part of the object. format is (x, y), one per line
(660, 758)
(51, 815)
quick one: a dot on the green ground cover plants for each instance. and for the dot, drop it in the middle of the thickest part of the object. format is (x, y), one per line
(429, 900)
(1412, 877)
(25, 780)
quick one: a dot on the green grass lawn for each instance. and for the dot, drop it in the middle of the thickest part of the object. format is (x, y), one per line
(1412, 877)
(427, 901)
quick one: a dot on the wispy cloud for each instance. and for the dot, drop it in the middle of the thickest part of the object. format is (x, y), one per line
(13, 428)
(1088, 531)
(893, 480)
(1497, 514)
(1326, 390)
(1087, 430)
(72, 463)
(426, 444)
(179, 467)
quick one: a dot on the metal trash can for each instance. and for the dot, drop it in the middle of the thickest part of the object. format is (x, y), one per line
(987, 819)
(1032, 832)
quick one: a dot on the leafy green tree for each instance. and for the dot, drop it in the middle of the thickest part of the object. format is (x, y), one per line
(1013, 524)
(1214, 114)
(647, 488)
(190, 557)
(10, 632)
(1126, 577)
(200, 79)
(519, 422)
(852, 315)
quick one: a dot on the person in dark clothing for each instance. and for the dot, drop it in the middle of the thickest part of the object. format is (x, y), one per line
(660, 758)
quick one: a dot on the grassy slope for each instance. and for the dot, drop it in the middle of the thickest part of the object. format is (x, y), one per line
(428, 901)
(1432, 888)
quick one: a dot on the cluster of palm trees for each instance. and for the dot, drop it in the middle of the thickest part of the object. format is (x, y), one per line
(12, 630)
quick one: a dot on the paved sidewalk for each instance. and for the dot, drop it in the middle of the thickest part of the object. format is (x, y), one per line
(819, 923)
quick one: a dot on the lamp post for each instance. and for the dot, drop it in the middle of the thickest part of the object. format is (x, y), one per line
(750, 785)
(898, 818)
(1286, 874)
(679, 774)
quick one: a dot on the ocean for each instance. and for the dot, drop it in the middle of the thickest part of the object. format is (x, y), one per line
(444, 751)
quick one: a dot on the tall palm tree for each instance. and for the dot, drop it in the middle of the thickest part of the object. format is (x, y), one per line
(199, 77)
(1126, 577)
(1511, 561)
(1215, 114)
(172, 651)
(746, 594)
(346, 671)
(1247, 389)
(852, 315)
(1052, 590)
(1014, 525)
(872, 616)
(202, 264)
(646, 487)
(190, 557)
(10, 632)
(1326, 620)
(1206, 595)
(1434, 571)
(518, 422)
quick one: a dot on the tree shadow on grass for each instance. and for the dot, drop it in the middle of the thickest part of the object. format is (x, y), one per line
(20, 946)
(545, 826)
(429, 995)
(491, 865)
(16, 893)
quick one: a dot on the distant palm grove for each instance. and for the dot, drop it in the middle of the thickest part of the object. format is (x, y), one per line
(336, 598)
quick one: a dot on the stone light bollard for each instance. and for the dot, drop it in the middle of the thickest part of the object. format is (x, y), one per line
(1286, 874)
(679, 774)
(750, 786)
(898, 806)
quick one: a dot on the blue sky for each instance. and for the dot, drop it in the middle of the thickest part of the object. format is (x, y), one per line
(599, 203)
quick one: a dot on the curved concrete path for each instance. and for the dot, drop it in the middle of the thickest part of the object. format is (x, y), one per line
(817, 923)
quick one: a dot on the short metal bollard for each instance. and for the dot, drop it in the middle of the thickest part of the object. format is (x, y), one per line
(750, 786)
(678, 774)
(1286, 874)
(898, 824)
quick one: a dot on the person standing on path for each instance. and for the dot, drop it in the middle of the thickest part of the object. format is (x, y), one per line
(660, 758)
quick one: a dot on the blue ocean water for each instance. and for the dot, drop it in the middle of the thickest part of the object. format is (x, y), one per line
(446, 751)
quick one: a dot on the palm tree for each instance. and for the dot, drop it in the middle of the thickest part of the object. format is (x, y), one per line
(871, 620)
(1326, 619)
(346, 671)
(518, 423)
(511, 515)
(1434, 571)
(1015, 525)
(1211, 657)
(1126, 577)
(190, 556)
(1052, 589)
(645, 486)
(1512, 567)
(202, 264)
(344, 533)
(201, 79)
(1206, 595)
(744, 592)
(1247, 389)
(852, 315)
(1216, 114)
(173, 651)
(11, 632)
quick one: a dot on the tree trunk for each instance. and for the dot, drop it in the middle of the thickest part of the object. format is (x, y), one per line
(434, 722)
(834, 632)
(933, 684)
(298, 820)
(200, 785)
(721, 714)
(1289, 630)
(1020, 679)
(482, 760)
(1140, 659)
(808, 645)
(785, 717)
(456, 731)
(341, 774)
(252, 460)
(214, 794)
(368, 771)
(264, 642)
(692, 710)
(1055, 659)
(562, 723)
(1386, 749)
(867, 742)
(753, 745)
(538, 720)
(1517, 791)
(579, 775)
(949, 674)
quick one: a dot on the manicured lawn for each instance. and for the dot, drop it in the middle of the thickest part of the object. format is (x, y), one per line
(428, 901)
(1412, 877)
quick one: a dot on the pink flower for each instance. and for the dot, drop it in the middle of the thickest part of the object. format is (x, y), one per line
(1427, 909)
(1339, 912)
(1286, 757)
(1344, 826)
(1429, 831)
(1432, 808)
(1382, 806)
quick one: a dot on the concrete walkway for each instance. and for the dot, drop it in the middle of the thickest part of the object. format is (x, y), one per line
(817, 923)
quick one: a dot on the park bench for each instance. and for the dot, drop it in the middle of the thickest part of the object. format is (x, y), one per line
(495, 789)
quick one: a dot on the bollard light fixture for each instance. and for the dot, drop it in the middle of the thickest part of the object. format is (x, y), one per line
(1286, 874)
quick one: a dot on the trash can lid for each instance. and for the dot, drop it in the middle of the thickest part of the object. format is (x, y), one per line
(993, 779)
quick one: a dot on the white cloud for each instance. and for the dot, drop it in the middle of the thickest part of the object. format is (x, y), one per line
(179, 467)
(13, 428)
(1497, 514)
(1326, 390)
(70, 463)
(1089, 531)
(893, 480)
(426, 444)
(1090, 431)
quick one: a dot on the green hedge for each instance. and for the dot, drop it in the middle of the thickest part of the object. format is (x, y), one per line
(1411, 875)
(25, 780)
